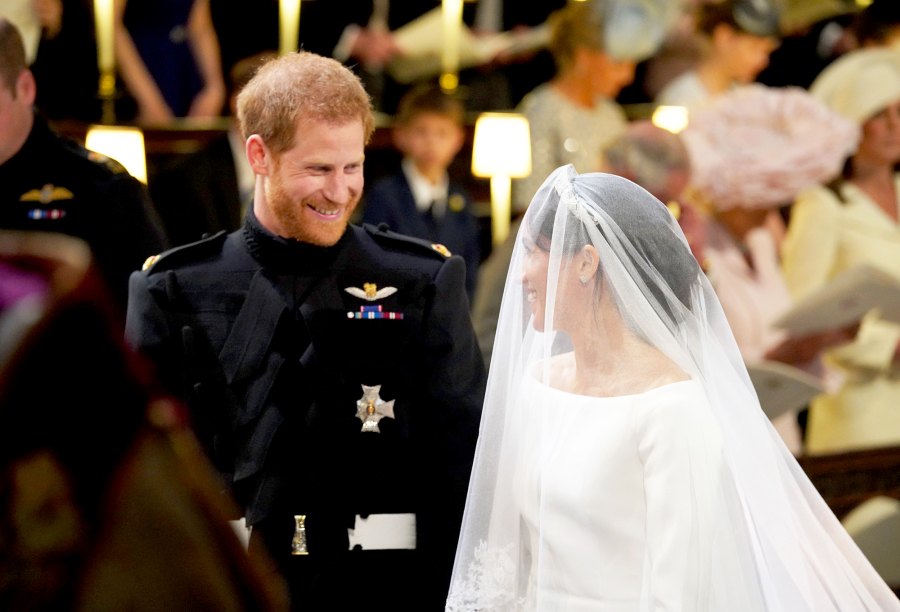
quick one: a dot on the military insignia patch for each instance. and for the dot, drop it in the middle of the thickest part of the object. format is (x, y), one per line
(47, 194)
(46, 213)
(370, 409)
(108, 162)
(440, 248)
(149, 262)
(374, 312)
(370, 292)
(456, 203)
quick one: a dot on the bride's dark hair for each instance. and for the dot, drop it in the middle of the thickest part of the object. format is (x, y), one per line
(658, 245)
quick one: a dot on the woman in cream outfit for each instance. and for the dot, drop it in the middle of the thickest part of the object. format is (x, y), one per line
(849, 222)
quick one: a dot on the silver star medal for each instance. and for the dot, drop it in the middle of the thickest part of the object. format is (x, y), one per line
(370, 409)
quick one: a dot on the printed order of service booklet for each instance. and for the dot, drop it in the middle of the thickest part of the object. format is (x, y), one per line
(421, 42)
(844, 301)
(782, 388)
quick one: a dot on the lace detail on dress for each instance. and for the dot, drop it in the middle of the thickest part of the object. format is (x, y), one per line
(489, 583)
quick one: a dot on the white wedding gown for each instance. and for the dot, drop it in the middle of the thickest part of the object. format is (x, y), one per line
(607, 488)
(681, 498)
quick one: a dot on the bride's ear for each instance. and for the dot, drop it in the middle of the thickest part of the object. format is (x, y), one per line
(588, 262)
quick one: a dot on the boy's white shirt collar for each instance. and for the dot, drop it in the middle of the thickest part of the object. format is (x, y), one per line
(424, 193)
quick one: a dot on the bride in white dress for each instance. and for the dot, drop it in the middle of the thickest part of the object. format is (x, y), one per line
(624, 463)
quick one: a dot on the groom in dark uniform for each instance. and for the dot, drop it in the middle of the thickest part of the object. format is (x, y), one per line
(331, 370)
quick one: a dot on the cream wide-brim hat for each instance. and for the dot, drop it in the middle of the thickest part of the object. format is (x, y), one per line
(860, 83)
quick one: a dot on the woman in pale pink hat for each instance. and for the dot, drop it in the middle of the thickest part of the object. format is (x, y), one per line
(752, 150)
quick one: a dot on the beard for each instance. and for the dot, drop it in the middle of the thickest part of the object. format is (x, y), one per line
(297, 222)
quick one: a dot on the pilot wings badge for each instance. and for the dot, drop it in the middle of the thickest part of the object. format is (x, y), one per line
(47, 194)
(370, 292)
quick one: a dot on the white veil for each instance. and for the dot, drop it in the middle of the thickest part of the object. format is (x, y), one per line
(731, 523)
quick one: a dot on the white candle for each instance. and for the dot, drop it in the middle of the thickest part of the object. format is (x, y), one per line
(289, 26)
(452, 13)
(103, 24)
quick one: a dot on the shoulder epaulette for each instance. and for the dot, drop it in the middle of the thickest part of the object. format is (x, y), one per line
(186, 252)
(382, 233)
(107, 162)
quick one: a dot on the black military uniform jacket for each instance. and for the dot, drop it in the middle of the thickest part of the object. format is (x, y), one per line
(272, 341)
(55, 185)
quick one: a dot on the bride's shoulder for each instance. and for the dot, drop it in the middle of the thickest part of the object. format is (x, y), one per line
(679, 404)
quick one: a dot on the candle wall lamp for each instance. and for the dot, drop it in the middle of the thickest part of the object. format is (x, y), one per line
(501, 152)
(122, 143)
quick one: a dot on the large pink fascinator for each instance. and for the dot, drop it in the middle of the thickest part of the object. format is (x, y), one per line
(757, 146)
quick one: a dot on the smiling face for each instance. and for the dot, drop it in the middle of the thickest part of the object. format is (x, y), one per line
(574, 293)
(534, 281)
(309, 191)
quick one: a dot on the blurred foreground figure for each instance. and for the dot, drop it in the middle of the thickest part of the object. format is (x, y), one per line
(106, 502)
(49, 183)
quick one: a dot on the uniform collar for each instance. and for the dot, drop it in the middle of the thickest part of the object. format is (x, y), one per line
(286, 255)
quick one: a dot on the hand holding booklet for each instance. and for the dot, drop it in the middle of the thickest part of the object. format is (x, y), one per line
(421, 43)
(782, 388)
(844, 301)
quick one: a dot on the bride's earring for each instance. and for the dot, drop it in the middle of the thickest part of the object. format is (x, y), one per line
(583, 280)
